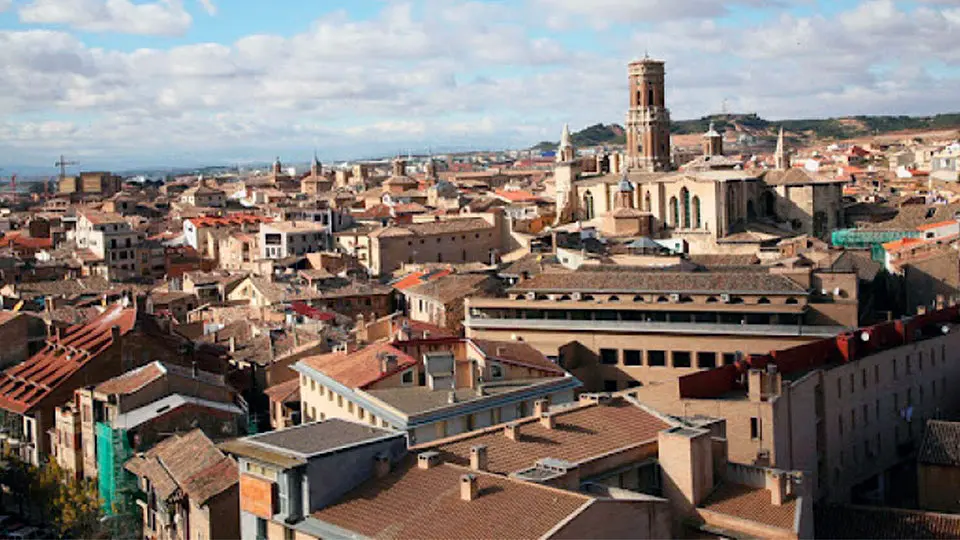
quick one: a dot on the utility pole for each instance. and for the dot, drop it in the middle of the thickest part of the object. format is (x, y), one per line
(62, 163)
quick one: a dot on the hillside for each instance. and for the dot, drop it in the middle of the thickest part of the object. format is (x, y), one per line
(751, 124)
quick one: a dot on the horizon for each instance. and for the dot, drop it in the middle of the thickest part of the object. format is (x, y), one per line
(120, 85)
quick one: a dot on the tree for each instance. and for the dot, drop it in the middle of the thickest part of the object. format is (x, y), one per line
(78, 504)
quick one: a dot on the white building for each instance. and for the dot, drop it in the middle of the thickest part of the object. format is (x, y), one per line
(290, 238)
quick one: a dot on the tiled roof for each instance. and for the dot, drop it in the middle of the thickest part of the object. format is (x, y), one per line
(24, 385)
(448, 226)
(847, 521)
(450, 288)
(319, 437)
(425, 503)
(100, 218)
(929, 226)
(190, 463)
(912, 216)
(796, 177)
(132, 381)
(581, 433)
(355, 289)
(751, 503)
(360, 368)
(941, 444)
(233, 219)
(418, 277)
(285, 391)
(517, 353)
(903, 243)
(604, 280)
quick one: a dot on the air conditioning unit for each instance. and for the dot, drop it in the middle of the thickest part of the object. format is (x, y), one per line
(675, 297)
(724, 297)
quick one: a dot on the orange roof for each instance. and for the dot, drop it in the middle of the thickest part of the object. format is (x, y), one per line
(517, 195)
(232, 219)
(361, 368)
(422, 276)
(903, 243)
(23, 386)
(132, 381)
(581, 433)
(937, 225)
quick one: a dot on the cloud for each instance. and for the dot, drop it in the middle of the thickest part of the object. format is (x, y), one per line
(457, 75)
(209, 7)
(162, 17)
(5, 5)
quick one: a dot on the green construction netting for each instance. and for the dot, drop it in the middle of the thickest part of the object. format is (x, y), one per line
(115, 483)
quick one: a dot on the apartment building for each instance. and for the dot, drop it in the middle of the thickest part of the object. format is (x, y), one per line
(290, 238)
(104, 184)
(848, 409)
(204, 196)
(430, 388)
(440, 301)
(474, 238)
(195, 229)
(110, 243)
(614, 329)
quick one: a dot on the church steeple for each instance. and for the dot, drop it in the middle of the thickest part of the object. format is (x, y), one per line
(781, 162)
(712, 142)
(624, 198)
(565, 152)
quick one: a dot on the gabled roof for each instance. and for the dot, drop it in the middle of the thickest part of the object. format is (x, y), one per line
(132, 381)
(361, 368)
(190, 464)
(24, 386)
(425, 503)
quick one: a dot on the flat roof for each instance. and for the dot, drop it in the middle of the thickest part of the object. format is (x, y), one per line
(319, 437)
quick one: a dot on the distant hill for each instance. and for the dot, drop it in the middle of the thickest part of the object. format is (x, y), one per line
(752, 124)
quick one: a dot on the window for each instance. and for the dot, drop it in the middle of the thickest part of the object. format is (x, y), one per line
(496, 371)
(729, 358)
(632, 357)
(320, 389)
(350, 407)
(920, 361)
(754, 428)
(853, 419)
(706, 359)
(495, 416)
(313, 385)
(656, 358)
(852, 388)
(840, 424)
(261, 529)
(407, 377)
(876, 374)
(895, 375)
(866, 418)
(608, 356)
(288, 533)
(361, 413)
(609, 385)
(681, 359)
(313, 413)
(909, 366)
(340, 401)
(839, 389)
(863, 378)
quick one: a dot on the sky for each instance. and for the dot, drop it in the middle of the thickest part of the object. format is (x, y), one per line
(129, 83)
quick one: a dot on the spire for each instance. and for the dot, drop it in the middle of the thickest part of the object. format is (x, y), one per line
(565, 152)
(565, 137)
(711, 131)
(780, 157)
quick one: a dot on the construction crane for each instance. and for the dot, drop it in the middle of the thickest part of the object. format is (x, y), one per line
(62, 163)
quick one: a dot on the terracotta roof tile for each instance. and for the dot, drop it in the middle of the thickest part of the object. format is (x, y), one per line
(451, 287)
(425, 503)
(516, 353)
(360, 368)
(580, 433)
(751, 503)
(605, 280)
(132, 381)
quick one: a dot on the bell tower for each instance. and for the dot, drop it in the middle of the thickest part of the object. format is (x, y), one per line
(648, 120)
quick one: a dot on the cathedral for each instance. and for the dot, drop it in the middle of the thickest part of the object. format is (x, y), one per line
(712, 204)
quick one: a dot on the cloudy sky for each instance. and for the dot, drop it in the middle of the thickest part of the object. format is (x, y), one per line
(121, 83)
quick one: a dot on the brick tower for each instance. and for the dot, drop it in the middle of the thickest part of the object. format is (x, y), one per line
(648, 120)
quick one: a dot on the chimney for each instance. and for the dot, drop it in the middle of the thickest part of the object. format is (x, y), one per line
(194, 371)
(233, 344)
(381, 465)
(468, 487)
(777, 484)
(388, 363)
(512, 431)
(428, 460)
(541, 407)
(478, 457)
(452, 397)
(548, 421)
(115, 333)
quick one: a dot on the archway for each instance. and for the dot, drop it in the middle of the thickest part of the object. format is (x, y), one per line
(697, 223)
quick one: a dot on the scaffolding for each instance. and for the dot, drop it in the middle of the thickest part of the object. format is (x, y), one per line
(117, 486)
(874, 240)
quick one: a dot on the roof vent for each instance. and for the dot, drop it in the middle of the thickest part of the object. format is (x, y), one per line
(428, 460)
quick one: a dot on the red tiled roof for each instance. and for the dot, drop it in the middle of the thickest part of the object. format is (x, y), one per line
(517, 195)
(360, 368)
(422, 276)
(23, 386)
(16, 239)
(516, 353)
(937, 225)
(232, 219)
(903, 243)
(285, 391)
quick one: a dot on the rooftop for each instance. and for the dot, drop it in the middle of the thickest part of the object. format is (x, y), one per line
(848, 521)
(449, 288)
(360, 368)
(634, 281)
(292, 446)
(411, 502)
(581, 433)
(752, 504)
(941, 444)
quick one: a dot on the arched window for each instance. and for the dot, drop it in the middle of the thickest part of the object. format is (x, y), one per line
(674, 212)
(662, 300)
(646, 202)
(587, 298)
(736, 300)
(638, 298)
(588, 205)
(564, 297)
(613, 299)
(751, 211)
(684, 299)
(712, 300)
(792, 301)
(697, 223)
(763, 300)
(685, 197)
